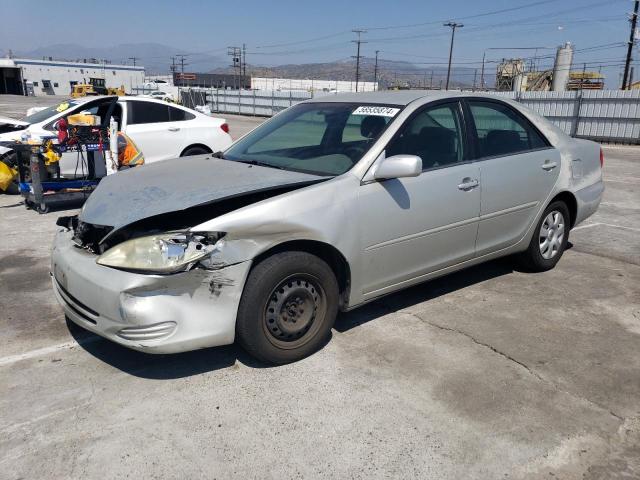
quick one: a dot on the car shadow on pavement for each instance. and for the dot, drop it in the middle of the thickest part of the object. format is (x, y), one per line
(180, 365)
(161, 367)
(424, 292)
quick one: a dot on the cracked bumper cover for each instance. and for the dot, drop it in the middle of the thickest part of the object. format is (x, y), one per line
(151, 313)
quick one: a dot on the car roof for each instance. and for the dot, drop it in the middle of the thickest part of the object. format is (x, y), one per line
(394, 97)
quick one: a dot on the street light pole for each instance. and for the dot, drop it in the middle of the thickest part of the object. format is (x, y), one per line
(453, 26)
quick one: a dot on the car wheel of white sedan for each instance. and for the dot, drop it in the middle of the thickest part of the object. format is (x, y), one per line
(288, 306)
(550, 239)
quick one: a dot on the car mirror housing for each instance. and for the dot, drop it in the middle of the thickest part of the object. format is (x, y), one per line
(399, 166)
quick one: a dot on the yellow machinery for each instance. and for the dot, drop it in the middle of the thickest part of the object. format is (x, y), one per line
(96, 86)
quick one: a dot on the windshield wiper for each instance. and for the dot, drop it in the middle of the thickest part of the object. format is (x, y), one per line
(218, 154)
(261, 164)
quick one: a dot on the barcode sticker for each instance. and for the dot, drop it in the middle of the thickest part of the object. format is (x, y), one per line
(376, 110)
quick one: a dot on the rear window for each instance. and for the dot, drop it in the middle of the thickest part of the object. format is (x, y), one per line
(177, 114)
(147, 112)
(501, 131)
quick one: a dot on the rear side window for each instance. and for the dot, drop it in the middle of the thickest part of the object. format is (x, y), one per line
(435, 135)
(147, 112)
(502, 131)
(178, 115)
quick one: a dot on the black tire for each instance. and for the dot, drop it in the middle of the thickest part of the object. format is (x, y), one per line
(533, 259)
(12, 189)
(195, 151)
(288, 306)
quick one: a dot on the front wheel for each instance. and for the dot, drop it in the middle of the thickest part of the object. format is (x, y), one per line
(549, 240)
(288, 306)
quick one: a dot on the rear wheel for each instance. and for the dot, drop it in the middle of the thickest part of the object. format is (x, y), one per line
(195, 151)
(289, 304)
(549, 240)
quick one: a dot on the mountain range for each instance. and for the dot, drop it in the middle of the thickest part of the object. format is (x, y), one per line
(156, 58)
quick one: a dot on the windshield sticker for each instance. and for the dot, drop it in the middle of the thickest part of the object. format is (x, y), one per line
(378, 111)
(62, 107)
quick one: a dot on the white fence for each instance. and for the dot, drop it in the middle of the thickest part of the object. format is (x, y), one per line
(605, 116)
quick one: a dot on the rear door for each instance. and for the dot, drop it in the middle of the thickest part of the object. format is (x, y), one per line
(149, 126)
(413, 226)
(518, 169)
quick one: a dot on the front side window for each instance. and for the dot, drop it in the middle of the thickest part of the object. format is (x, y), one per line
(147, 112)
(318, 138)
(501, 131)
(435, 135)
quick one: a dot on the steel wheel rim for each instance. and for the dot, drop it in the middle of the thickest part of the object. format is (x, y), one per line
(551, 234)
(293, 310)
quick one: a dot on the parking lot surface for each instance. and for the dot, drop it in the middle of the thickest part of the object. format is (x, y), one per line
(487, 373)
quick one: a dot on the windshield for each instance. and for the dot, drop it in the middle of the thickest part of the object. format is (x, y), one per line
(317, 138)
(49, 112)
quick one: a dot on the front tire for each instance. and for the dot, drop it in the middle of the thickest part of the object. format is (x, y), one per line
(549, 240)
(288, 306)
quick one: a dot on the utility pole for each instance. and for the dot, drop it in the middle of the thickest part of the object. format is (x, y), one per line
(375, 72)
(475, 75)
(482, 72)
(244, 59)
(182, 62)
(134, 60)
(172, 67)
(357, 57)
(634, 21)
(453, 26)
(236, 62)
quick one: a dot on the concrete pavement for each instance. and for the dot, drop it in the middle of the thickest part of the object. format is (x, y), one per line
(487, 373)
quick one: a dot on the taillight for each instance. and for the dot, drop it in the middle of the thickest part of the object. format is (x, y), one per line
(601, 158)
(225, 127)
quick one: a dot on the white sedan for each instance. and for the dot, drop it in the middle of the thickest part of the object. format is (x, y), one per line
(160, 130)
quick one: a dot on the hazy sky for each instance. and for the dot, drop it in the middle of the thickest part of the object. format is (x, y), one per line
(285, 31)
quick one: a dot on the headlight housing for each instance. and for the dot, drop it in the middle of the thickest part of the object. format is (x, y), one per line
(162, 253)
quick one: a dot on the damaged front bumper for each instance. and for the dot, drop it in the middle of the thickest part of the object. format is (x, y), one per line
(151, 313)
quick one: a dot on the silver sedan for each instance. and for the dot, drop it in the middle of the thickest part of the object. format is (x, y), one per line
(328, 205)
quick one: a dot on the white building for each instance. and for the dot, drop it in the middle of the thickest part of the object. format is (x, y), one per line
(310, 85)
(54, 77)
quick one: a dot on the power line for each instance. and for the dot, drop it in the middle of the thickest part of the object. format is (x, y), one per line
(485, 14)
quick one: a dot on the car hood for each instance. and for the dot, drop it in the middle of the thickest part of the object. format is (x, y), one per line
(13, 121)
(174, 185)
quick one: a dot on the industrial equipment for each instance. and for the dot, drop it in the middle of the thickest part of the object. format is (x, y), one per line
(95, 86)
(41, 184)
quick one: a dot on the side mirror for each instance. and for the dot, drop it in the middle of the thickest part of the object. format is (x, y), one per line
(399, 166)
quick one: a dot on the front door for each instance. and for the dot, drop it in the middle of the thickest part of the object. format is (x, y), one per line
(518, 169)
(413, 226)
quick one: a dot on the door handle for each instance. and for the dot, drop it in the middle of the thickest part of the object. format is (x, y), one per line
(174, 129)
(548, 165)
(468, 184)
